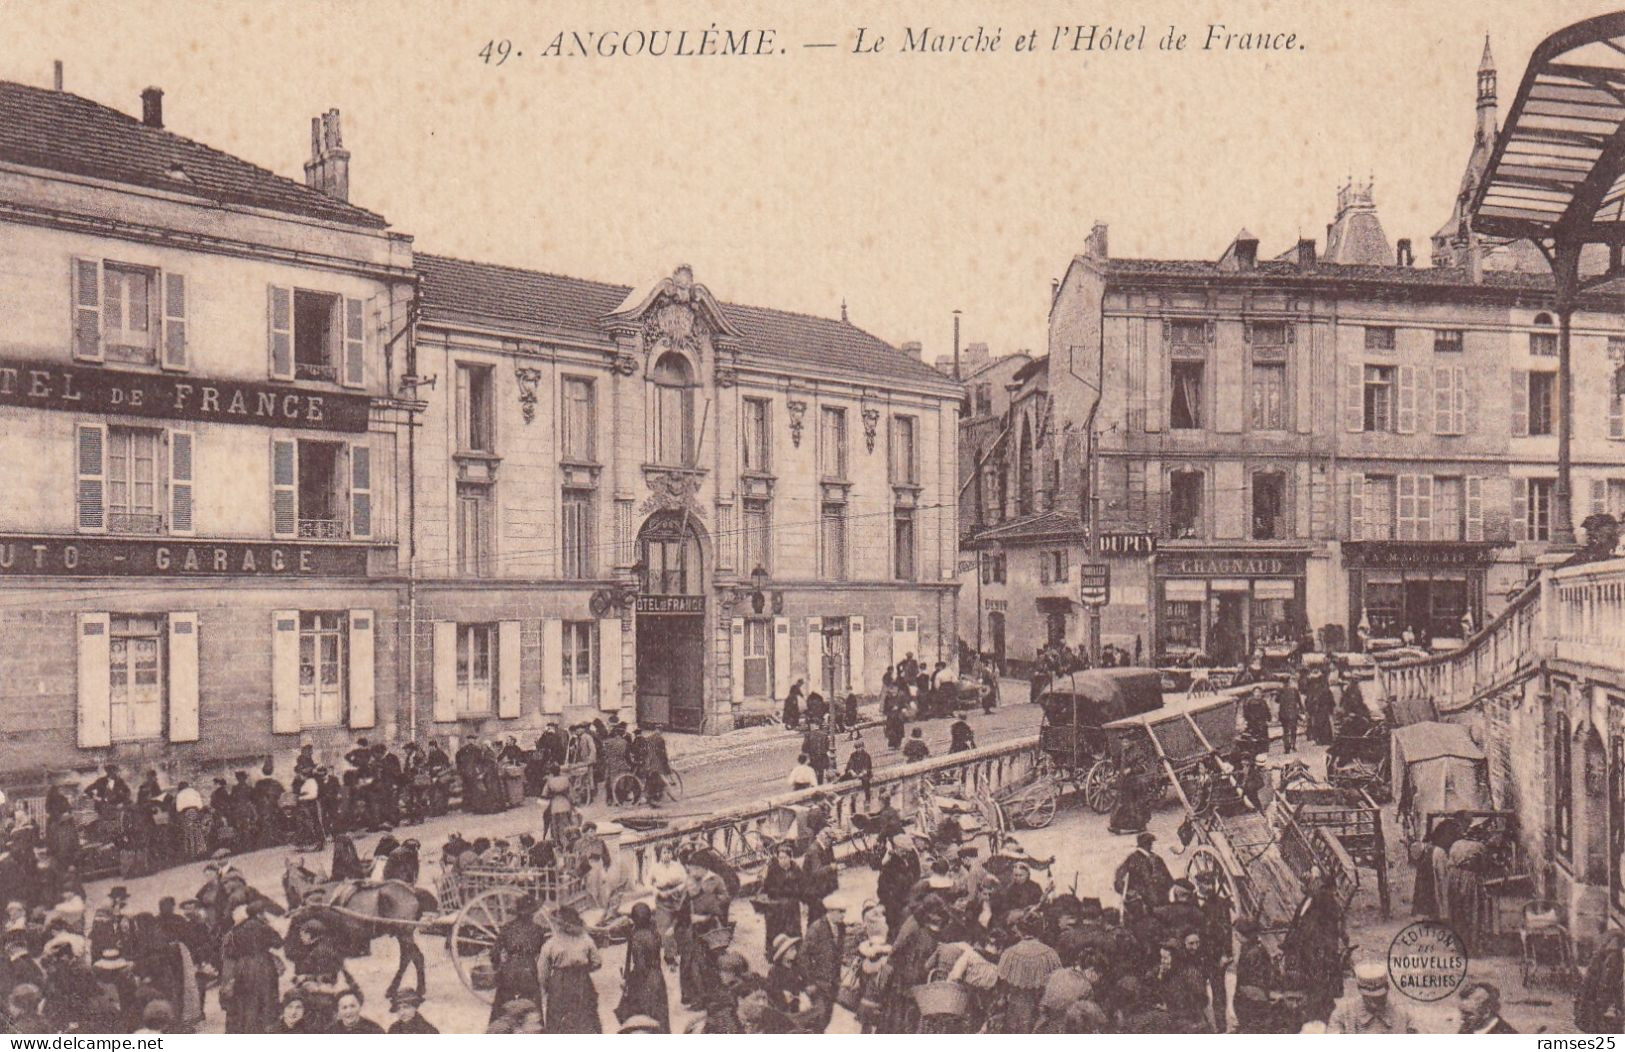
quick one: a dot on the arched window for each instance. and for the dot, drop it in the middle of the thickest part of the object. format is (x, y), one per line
(1543, 344)
(673, 410)
(670, 555)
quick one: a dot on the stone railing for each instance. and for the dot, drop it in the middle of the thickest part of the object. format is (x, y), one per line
(744, 835)
(1586, 613)
(1500, 652)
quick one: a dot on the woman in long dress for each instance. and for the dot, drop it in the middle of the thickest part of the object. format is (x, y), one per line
(249, 975)
(643, 984)
(561, 809)
(565, 968)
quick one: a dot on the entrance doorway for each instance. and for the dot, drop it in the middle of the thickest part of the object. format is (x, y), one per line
(834, 670)
(671, 625)
(1229, 632)
(995, 627)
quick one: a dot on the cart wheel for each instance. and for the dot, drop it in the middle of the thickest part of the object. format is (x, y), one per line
(674, 785)
(1205, 860)
(474, 934)
(1100, 787)
(628, 789)
(1040, 810)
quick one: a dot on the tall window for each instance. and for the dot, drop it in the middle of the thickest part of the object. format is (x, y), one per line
(136, 676)
(1185, 400)
(474, 409)
(1563, 782)
(129, 323)
(576, 534)
(1269, 396)
(476, 662)
(1540, 509)
(674, 411)
(1185, 504)
(322, 668)
(322, 493)
(1379, 508)
(133, 481)
(579, 656)
(317, 334)
(473, 529)
(832, 543)
(1542, 397)
(1449, 524)
(905, 466)
(1379, 396)
(757, 431)
(832, 442)
(1269, 506)
(580, 419)
(903, 543)
(758, 537)
(758, 657)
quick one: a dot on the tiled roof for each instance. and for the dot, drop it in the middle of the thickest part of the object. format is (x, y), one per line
(62, 132)
(457, 291)
(1043, 524)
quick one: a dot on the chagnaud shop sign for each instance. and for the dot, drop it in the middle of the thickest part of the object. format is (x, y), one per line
(97, 557)
(1229, 565)
(93, 389)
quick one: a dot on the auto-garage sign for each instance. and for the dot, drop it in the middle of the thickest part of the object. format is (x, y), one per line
(1094, 583)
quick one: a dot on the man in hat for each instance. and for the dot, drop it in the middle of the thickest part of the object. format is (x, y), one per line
(899, 872)
(1480, 1005)
(1216, 910)
(960, 737)
(1289, 710)
(815, 745)
(1257, 981)
(916, 749)
(405, 1005)
(1371, 1011)
(110, 789)
(860, 765)
(822, 954)
(1142, 879)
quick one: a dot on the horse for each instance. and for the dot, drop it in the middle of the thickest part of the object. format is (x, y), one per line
(358, 913)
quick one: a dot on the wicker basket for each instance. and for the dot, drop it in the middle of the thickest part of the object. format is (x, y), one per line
(940, 997)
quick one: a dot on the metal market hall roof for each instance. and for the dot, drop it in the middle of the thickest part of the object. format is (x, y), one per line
(1558, 170)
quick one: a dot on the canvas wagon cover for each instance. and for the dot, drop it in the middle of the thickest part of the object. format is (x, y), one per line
(1445, 769)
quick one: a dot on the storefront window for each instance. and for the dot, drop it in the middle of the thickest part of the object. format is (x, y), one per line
(1182, 623)
(1385, 608)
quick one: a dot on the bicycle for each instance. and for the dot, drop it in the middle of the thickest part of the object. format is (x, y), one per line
(634, 787)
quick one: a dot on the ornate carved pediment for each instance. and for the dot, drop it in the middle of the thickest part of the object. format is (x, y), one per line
(798, 414)
(529, 379)
(677, 312)
(671, 491)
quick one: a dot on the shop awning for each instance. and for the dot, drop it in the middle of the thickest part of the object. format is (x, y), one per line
(1054, 604)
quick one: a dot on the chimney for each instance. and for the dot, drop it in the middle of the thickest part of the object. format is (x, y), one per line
(1096, 246)
(1404, 253)
(57, 74)
(976, 356)
(1306, 253)
(328, 169)
(152, 107)
(912, 348)
(1475, 259)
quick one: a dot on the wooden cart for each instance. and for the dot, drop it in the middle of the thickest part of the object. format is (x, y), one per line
(487, 898)
(1347, 814)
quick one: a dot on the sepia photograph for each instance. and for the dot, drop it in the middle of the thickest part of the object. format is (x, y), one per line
(900, 518)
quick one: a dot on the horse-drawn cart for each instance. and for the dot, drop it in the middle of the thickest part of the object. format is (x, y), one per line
(1347, 814)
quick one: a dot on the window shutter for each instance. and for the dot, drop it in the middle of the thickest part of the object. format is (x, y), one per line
(87, 310)
(284, 487)
(355, 344)
(1459, 400)
(361, 490)
(815, 654)
(1043, 568)
(856, 654)
(1156, 377)
(1520, 509)
(1407, 400)
(508, 683)
(736, 640)
(609, 664)
(181, 448)
(1474, 499)
(95, 708)
(1354, 397)
(1444, 407)
(174, 295)
(1424, 507)
(363, 692)
(1405, 513)
(281, 332)
(183, 698)
(1356, 507)
(444, 659)
(781, 656)
(92, 478)
(285, 672)
(552, 664)
(1599, 496)
(1520, 401)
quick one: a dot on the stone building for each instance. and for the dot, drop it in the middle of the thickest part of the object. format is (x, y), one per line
(200, 543)
(648, 501)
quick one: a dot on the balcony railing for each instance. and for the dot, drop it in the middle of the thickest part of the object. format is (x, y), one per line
(321, 529)
(135, 522)
(309, 371)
